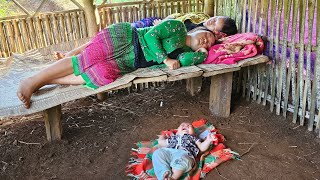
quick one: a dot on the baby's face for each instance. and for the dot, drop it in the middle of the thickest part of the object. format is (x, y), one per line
(185, 128)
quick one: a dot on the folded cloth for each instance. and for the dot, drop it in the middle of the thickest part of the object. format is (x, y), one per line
(140, 164)
(235, 48)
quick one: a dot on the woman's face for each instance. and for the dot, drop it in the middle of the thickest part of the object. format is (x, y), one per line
(214, 23)
(202, 39)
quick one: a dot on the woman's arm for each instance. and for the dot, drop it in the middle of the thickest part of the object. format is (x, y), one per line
(164, 30)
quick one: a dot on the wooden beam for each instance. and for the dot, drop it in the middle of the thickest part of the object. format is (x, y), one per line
(21, 7)
(220, 94)
(77, 4)
(194, 85)
(37, 11)
(52, 119)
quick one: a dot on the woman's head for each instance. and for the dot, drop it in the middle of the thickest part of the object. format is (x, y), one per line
(201, 38)
(222, 24)
(185, 128)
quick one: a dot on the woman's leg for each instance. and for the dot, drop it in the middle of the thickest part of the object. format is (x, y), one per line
(55, 71)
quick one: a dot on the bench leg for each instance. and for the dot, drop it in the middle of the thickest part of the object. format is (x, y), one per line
(52, 119)
(102, 96)
(194, 85)
(220, 94)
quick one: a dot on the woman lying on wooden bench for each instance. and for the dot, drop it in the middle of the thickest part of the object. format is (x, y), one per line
(120, 49)
(221, 26)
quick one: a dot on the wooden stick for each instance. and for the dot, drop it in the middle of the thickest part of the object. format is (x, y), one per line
(21, 7)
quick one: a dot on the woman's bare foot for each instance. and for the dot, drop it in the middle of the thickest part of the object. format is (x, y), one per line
(58, 55)
(25, 91)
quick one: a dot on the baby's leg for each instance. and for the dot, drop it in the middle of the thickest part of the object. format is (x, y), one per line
(161, 163)
(181, 163)
(57, 70)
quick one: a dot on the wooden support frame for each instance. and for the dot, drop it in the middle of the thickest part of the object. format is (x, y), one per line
(52, 118)
(220, 94)
(194, 85)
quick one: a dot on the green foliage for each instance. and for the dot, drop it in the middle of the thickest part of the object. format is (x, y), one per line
(5, 10)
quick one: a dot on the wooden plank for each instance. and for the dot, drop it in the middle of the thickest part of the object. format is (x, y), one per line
(150, 79)
(220, 94)
(185, 76)
(25, 34)
(3, 42)
(53, 125)
(82, 18)
(222, 71)
(55, 29)
(193, 85)
(69, 27)
(75, 25)
(10, 35)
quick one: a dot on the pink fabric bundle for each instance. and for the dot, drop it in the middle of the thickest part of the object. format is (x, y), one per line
(235, 48)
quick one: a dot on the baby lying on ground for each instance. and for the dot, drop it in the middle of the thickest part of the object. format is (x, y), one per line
(178, 152)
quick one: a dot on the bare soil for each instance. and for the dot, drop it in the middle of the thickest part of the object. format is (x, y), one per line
(98, 136)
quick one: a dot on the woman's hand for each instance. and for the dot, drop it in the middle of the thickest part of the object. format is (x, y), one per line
(203, 50)
(172, 63)
(156, 22)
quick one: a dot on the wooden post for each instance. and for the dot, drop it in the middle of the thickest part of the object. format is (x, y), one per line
(209, 5)
(220, 94)
(194, 85)
(90, 17)
(52, 119)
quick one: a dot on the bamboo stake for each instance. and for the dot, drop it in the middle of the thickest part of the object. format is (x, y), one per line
(250, 2)
(307, 85)
(3, 43)
(18, 36)
(103, 18)
(165, 9)
(282, 73)
(55, 29)
(69, 27)
(10, 36)
(189, 7)
(109, 16)
(62, 28)
(32, 31)
(244, 85)
(292, 64)
(172, 8)
(244, 15)
(130, 11)
(117, 15)
(76, 26)
(276, 61)
(25, 34)
(159, 14)
(255, 16)
(48, 32)
(84, 31)
(40, 38)
(300, 82)
(179, 6)
(314, 93)
(135, 14)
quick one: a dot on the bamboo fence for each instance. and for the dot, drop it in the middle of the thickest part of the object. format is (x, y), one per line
(289, 84)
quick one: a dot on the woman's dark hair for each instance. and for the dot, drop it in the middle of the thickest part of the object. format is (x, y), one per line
(229, 26)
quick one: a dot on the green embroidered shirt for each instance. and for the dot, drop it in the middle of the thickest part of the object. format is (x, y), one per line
(160, 40)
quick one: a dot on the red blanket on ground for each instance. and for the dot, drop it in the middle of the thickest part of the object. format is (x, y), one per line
(140, 165)
(235, 48)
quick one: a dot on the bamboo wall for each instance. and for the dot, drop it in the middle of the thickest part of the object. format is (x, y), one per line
(291, 82)
(22, 33)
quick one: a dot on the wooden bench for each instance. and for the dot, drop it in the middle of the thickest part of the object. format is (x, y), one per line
(50, 98)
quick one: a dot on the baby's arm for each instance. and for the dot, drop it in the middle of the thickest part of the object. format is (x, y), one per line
(203, 146)
(162, 141)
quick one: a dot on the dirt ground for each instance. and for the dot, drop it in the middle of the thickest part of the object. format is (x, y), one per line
(98, 136)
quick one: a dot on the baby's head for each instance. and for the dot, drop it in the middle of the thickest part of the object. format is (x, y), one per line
(185, 128)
